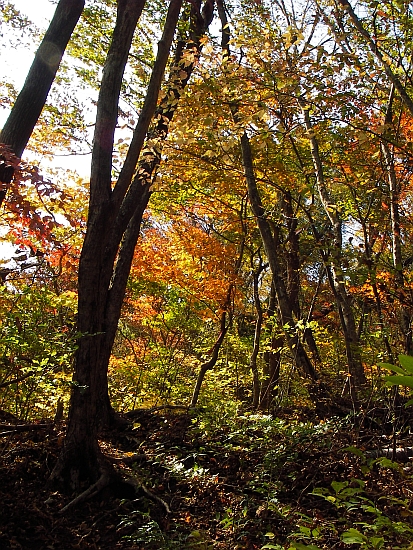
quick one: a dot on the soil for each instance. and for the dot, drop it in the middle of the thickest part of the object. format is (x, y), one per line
(190, 485)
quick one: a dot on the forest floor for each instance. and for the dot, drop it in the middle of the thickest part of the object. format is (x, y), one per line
(205, 482)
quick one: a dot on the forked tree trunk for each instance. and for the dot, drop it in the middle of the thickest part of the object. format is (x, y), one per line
(32, 98)
(114, 221)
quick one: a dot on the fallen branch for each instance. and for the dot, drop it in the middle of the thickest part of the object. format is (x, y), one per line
(10, 429)
(16, 380)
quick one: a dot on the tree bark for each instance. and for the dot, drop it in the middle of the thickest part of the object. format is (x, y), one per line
(113, 228)
(335, 268)
(287, 319)
(32, 98)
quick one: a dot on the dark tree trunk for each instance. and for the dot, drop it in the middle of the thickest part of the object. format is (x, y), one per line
(113, 228)
(32, 98)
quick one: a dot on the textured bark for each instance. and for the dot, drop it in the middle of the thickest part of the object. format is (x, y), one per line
(113, 228)
(81, 459)
(32, 98)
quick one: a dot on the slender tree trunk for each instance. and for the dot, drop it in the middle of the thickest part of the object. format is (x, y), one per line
(293, 270)
(32, 98)
(299, 354)
(224, 326)
(287, 319)
(335, 268)
(257, 339)
(394, 195)
(272, 358)
(209, 365)
(382, 59)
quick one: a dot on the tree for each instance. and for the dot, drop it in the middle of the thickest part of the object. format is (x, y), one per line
(32, 98)
(114, 221)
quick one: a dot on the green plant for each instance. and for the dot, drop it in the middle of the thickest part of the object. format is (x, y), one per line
(404, 376)
(351, 497)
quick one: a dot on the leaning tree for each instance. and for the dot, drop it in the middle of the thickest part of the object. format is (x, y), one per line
(29, 104)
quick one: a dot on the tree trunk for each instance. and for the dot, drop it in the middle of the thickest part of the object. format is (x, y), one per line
(272, 359)
(113, 228)
(334, 269)
(293, 270)
(381, 58)
(32, 98)
(209, 365)
(257, 339)
(287, 319)
(299, 354)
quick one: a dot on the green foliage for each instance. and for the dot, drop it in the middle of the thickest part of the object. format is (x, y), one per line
(37, 342)
(351, 496)
(404, 376)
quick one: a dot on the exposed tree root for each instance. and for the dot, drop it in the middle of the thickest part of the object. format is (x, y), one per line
(104, 480)
(132, 481)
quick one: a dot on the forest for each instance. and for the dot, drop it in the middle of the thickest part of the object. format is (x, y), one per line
(206, 341)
